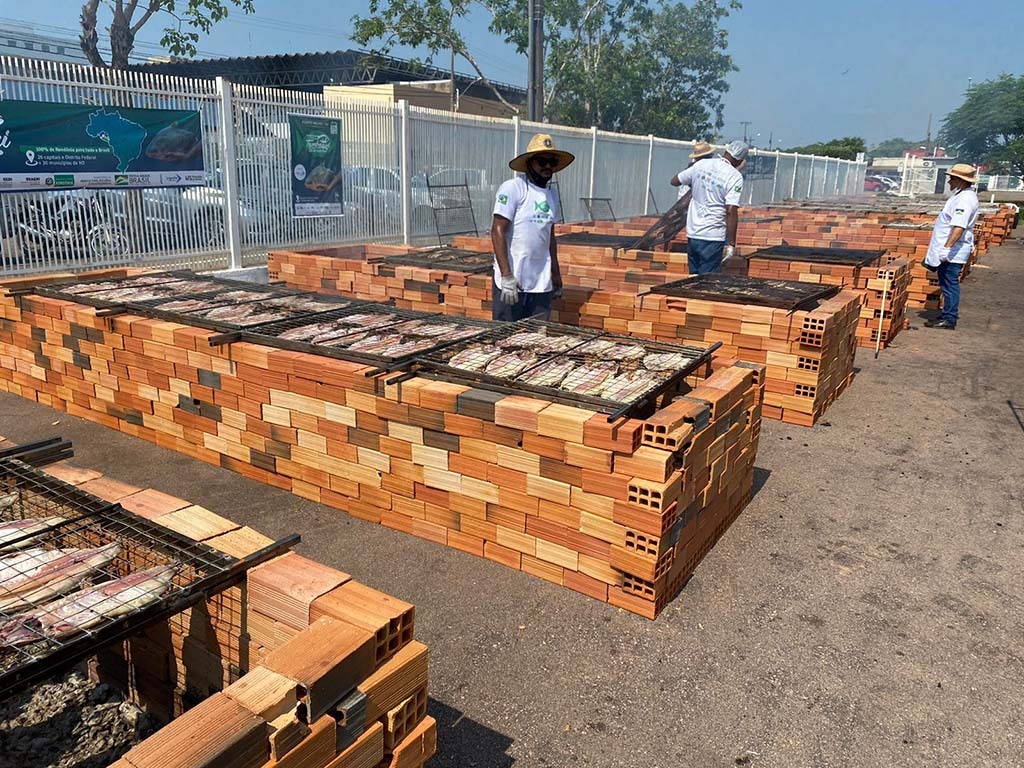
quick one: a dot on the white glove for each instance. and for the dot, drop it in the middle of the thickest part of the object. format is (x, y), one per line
(727, 253)
(509, 289)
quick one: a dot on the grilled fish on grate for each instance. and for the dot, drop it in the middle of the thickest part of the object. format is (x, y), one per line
(12, 530)
(550, 374)
(629, 386)
(56, 577)
(474, 358)
(540, 342)
(590, 378)
(88, 607)
(510, 363)
(665, 361)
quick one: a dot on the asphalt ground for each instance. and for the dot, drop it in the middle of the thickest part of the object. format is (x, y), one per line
(865, 609)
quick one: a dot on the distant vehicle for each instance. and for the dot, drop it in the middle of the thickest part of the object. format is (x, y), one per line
(873, 184)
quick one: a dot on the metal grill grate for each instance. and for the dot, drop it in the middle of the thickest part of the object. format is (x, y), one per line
(598, 240)
(734, 289)
(665, 229)
(618, 375)
(375, 334)
(450, 259)
(134, 573)
(452, 206)
(844, 256)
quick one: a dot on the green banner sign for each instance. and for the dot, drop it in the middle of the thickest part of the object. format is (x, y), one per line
(316, 166)
(45, 145)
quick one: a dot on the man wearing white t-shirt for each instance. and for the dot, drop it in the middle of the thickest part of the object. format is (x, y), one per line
(526, 273)
(953, 241)
(716, 186)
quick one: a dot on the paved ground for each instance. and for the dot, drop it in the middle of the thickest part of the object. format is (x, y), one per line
(865, 610)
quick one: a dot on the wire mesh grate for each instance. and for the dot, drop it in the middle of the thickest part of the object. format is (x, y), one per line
(736, 289)
(73, 568)
(825, 255)
(614, 374)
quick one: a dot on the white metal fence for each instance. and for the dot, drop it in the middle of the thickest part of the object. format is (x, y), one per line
(389, 151)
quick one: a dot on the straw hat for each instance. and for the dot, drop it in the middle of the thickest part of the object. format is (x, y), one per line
(701, 149)
(965, 172)
(541, 144)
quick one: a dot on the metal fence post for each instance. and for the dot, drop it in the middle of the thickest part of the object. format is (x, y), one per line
(406, 164)
(593, 157)
(650, 164)
(229, 173)
(810, 178)
(775, 176)
(796, 168)
(515, 135)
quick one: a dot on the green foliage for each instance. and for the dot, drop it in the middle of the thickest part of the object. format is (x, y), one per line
(640, 66)
(895, 147)
(846, 148)
(195, 16)
(988, 128)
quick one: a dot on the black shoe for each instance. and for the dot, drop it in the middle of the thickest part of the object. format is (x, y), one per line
(943, 324)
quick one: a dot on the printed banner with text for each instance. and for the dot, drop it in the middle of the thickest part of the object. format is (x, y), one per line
(316, 166)
(44, 145)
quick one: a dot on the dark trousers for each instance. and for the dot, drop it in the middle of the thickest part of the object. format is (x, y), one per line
(529, 305)
(704, 255)
(949, 282)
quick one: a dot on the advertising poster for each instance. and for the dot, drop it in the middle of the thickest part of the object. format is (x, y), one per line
(45, 146)
(316, 166)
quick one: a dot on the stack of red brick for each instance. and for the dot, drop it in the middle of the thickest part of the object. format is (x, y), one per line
(620, 511)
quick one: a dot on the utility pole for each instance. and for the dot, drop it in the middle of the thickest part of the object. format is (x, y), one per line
(771, 135)
(453, 78)
(745, 124)
(535, 62)
(928, 136)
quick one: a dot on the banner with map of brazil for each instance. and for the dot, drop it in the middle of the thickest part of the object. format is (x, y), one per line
(45, 145)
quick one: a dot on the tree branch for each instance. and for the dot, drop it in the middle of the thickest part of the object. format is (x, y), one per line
(154, 6)
(483, 78)
(88, 40)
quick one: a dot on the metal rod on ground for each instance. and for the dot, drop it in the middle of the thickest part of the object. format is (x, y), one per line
(881, 319)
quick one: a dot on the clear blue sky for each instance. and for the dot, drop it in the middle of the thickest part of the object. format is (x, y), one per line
(809, 70)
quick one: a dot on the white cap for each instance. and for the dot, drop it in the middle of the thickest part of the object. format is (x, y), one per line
(737, 150)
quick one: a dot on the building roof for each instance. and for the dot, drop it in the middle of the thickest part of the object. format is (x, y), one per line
(312, 71)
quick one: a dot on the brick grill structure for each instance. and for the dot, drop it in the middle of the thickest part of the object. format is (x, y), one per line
(619, 511)
(299, 665)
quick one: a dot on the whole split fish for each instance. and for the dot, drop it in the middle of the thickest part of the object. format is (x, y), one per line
(666, 361)
(174, 144)
(18, 567)
(474, 358)
(589, 379)
(52, 578)
(550, 374)
(84, 609)
(510, 363)
(12, 531)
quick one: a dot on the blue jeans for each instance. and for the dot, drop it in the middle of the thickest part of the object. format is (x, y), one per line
(704, 255)
(949, 282)
(529, 305)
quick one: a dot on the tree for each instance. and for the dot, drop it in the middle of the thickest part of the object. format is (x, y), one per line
(642, 66)
(420, 23)
(190, 18)
(846, 148)
(896, 147)
(988, 128)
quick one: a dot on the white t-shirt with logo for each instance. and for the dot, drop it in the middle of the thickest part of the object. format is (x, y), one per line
(959, 211)
(533, 212)
(715, 184)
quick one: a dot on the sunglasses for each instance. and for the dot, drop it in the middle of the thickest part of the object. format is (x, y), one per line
(546, 161)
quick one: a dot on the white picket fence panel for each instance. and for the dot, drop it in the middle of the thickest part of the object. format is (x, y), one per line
(388, 150)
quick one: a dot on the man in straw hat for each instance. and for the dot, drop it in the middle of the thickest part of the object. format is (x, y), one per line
(953, 241)
(526, 273)
(701, 150)
(716, 186)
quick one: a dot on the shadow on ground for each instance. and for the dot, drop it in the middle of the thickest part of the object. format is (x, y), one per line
(464, 743)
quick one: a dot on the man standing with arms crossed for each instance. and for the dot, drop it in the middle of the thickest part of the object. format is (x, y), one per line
(526, 273)
(953, 241)
(713, 215)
